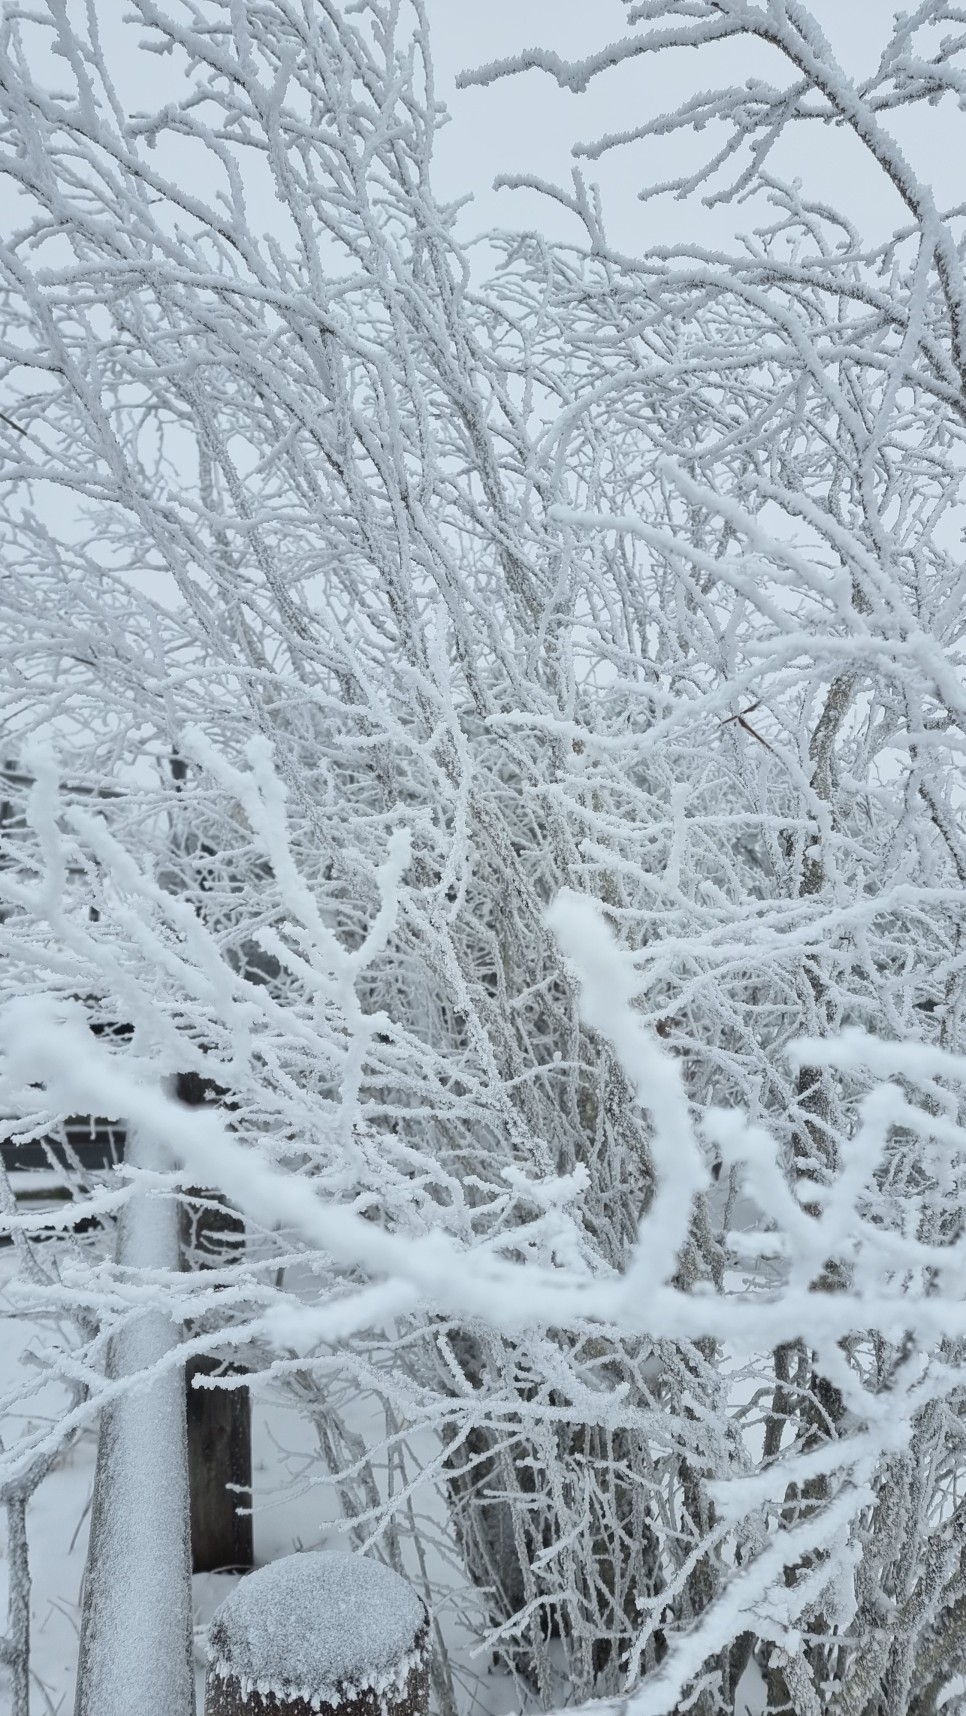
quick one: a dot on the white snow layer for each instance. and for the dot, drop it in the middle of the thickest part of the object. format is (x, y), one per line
(320, 1626)
(135, 1654)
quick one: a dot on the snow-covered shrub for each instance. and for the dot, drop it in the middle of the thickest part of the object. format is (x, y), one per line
(622, 581)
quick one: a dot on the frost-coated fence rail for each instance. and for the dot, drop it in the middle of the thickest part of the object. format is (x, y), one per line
(136, 1640)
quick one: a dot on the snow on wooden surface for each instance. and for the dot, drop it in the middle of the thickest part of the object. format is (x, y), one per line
(292, 1512)
(318, 1625)
(135, 1652)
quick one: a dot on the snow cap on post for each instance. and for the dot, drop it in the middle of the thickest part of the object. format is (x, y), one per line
(320, 1632)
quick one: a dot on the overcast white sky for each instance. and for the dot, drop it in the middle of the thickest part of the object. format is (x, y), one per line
(528, 124)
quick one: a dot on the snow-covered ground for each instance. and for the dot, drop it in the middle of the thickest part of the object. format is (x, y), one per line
(294, 1509)
(289, 1515)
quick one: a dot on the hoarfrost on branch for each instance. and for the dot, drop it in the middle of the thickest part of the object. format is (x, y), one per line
(505, 734)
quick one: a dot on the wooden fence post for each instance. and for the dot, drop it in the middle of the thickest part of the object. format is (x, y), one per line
(219, 1471)
(219, 1419)
(331, 1634)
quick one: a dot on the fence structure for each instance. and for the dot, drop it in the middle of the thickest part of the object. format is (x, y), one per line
(136, 1635)
(320, 1632)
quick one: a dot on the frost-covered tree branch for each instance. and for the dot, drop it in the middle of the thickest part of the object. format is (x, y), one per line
(486, 729)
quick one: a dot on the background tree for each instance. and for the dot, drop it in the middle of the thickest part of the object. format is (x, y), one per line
(633, 577)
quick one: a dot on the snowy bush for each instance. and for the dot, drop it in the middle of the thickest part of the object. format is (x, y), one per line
(561, 870)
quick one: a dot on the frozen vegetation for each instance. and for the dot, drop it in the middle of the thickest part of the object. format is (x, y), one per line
(496, 713)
